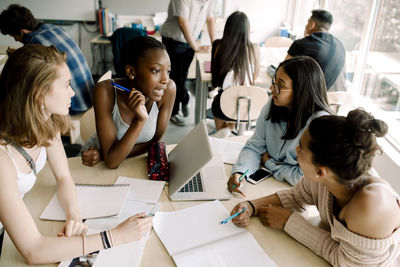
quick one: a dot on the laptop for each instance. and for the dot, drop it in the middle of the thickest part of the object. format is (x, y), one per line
(195, 173)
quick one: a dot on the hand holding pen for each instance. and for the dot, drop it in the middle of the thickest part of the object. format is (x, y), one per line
(244, 212)
(234, 182)
(136, 101)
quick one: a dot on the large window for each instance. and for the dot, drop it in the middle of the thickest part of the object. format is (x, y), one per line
(370, 32)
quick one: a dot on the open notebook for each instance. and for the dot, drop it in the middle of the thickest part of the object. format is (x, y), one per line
(194, 237)
(95, 201)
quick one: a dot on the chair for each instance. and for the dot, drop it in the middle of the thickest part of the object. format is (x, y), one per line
(340, 102)
(278, 41)
(118, 39)
(243, 104)
(89, 126)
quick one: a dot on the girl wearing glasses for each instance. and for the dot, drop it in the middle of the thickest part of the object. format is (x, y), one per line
(298, 96)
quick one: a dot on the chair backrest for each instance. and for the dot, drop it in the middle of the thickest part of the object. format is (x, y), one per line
(235, 102)
(118, 39)
(105, 76)
(278, 41)
(340, 102)
(87, 124)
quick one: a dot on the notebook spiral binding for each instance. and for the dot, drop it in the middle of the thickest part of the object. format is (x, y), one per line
(102, 185)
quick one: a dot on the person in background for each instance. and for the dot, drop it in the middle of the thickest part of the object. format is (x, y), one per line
(325, 48)
(180, 32)
(234, 61)
(18, 22)
(35, 95)
(360, 213)
(127, 122)
(298, 96)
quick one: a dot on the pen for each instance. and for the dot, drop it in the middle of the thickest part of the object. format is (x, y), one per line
(241, 178)
(231, 217)
(120, 87)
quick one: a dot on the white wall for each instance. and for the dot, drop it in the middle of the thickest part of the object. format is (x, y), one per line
(266, 16)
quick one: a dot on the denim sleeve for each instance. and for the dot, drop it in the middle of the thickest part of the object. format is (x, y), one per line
(250, 156)
(284, 172)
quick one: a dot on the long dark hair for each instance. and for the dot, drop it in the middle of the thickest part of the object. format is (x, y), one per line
(346, 145)
(309, 95)
(233, 52)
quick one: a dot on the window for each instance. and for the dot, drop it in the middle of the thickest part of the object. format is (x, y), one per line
(370, 32)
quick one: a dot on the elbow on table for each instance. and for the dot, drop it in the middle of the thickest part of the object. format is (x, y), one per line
(32, 256)
(111, 164)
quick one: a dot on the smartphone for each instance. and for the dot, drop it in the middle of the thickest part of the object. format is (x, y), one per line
(259, 175)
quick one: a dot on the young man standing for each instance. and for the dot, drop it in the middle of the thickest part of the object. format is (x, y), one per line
(180, 31)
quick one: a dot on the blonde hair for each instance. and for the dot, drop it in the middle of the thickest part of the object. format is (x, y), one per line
(26, 78)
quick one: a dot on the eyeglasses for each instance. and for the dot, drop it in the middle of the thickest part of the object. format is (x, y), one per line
(276, 89)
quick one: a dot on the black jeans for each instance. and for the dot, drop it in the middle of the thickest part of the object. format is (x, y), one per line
(181, 55)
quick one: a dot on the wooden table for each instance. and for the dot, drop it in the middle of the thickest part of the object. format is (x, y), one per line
(283, 249)
(268, 56)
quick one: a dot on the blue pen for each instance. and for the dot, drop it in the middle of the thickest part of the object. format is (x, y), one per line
(241, 178)
(231, 217)
(120, 87)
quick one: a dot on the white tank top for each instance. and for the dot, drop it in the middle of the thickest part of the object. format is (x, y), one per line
(25, 181)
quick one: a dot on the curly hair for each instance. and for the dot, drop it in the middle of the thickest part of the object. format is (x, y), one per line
(16, 18)
(346, 145)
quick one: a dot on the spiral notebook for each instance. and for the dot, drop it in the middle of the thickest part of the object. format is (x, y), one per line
(94, 201)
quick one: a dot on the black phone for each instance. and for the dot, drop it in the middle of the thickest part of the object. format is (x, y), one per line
(259, 175)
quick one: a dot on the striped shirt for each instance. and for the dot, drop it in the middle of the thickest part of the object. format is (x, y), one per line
(81, 77)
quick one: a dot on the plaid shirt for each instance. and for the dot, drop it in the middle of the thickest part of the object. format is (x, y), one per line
(81, 77)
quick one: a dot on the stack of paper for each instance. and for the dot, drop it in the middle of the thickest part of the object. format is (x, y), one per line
(95, 201)
(142, 197)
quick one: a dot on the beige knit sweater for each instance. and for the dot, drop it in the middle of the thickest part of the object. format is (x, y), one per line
(340, 246)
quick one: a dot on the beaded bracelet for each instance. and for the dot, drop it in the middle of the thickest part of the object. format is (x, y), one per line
(254, 209)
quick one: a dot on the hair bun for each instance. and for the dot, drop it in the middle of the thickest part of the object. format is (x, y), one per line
(363, 125)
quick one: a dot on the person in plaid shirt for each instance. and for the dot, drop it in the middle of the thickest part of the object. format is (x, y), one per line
(18, 22)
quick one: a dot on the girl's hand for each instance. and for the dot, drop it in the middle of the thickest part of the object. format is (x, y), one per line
(264, 158)
(132, 229)
(136, 101)
(274, 216)
(91, 156)
(243, 219)
(73, 227)
(234, 180)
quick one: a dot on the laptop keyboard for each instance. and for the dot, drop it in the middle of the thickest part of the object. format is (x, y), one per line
(194, 185)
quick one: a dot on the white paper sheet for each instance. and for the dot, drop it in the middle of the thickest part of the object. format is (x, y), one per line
(195, 226)
(94, 201)
(238, 250)
(142, 189)
(229, 150)
(129, 209)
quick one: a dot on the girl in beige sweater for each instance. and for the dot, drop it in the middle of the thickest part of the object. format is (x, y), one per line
(362, 212)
